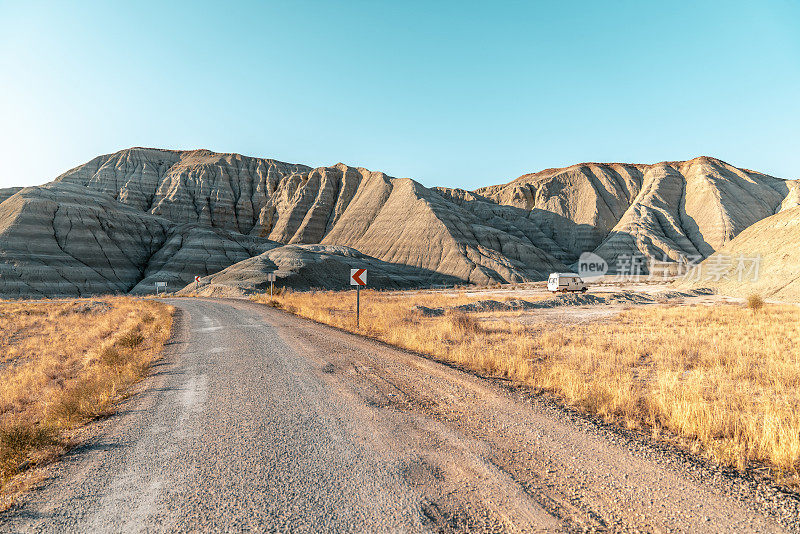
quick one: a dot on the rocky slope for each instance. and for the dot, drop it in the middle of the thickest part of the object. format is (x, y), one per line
(8, 192)
(763, 259)
(665, 210)
(394, 220)
(64, 240)
(123, 221)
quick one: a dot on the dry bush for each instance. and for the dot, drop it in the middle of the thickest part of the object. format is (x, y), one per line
(63, 363)
(80, 401)
(130, 339)
(724, 379)
(18, 441)
(755, 302)
(463, 324)
(112, 357)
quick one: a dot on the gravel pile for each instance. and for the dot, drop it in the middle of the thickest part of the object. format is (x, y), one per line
(671, 295)
(702, 291)
(569, 299)
(494, 305)
(628, 297)
(429, 312)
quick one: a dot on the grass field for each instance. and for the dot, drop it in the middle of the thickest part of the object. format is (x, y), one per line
(725, 378)
(63, 363)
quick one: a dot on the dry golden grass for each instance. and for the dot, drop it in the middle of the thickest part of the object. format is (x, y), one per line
(63, 363)
(725, 379)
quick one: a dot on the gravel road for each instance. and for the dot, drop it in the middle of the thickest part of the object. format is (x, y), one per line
(259, 420)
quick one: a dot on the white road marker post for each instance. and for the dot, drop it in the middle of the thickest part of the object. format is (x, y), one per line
(358, 278)
(196, 283)
(271, 278)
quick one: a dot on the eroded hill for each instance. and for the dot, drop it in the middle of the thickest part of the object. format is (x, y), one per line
(125, 220)
(763, 259)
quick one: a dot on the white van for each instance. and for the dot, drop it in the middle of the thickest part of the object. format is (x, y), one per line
(566, 282)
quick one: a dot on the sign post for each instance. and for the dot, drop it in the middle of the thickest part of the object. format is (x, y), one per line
(271, 278)
(196, 283)
(160, 285)
(358, 278)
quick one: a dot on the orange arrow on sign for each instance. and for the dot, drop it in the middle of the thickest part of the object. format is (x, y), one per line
(355, 277)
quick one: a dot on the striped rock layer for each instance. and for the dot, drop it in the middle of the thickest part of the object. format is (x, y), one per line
(123, 221)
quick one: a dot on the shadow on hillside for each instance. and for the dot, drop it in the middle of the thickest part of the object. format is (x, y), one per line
(555, 234)
(334, 273)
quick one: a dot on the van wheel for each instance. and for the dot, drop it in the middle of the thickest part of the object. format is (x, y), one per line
(584, 290)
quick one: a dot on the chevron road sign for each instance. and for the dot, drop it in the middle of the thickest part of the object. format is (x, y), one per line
(358, 277)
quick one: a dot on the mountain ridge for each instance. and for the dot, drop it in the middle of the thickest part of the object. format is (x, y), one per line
(218, 203)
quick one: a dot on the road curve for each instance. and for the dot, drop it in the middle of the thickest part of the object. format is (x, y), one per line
(259, 420)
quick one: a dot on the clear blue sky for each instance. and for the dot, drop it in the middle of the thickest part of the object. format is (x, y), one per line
(450, 93)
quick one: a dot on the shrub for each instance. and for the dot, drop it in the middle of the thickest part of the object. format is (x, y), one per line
(274, 304)
(111, 356)
(130, 340)
(462, 323)
(17, 441)
(80, 402)
(755, 302)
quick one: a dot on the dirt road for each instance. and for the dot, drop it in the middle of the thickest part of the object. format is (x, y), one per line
(258, 420)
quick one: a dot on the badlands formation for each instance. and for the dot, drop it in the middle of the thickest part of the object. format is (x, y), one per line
(123, 221)
(776, 241)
